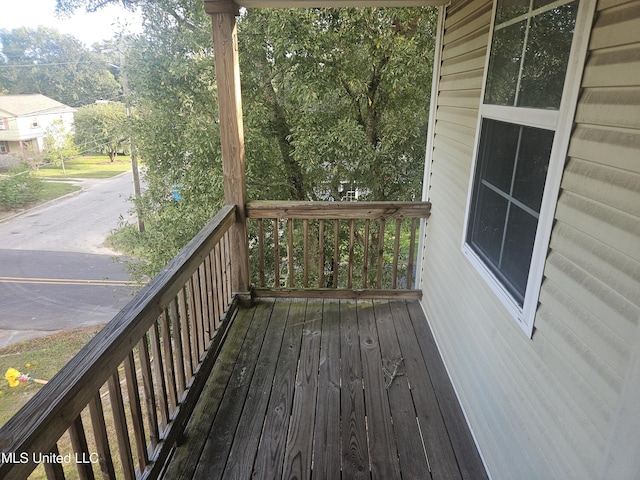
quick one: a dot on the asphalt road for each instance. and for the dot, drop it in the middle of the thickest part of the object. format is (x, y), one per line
(55, 271)
(46, 291)
(77, 223)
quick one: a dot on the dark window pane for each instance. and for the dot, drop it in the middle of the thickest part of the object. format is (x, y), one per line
(546, 57)
(488, 226)
(504, 65)
(541, 3)
(533, 162)
(499, 146)
(518, 249)
(508, 9)
(505, 206)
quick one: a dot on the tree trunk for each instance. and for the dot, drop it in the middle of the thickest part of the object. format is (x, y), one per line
(282, 132)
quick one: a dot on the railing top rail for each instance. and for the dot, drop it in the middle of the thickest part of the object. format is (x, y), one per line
(41, 422)
(337, 210)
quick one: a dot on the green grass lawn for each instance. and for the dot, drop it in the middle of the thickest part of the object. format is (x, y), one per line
(40, 358)
(51, 190)
(90, 166)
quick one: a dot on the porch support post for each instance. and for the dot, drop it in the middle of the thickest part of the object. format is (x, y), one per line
(225, 43)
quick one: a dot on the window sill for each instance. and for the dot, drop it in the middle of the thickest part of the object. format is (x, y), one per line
(513, 309)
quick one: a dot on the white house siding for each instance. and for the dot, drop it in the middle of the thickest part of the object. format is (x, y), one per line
(543, 408)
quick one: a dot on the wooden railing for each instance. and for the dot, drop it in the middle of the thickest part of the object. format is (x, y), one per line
(118, 407)
(125, 398)
(313, 249)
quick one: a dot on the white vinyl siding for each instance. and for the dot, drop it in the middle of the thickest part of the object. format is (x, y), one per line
(549, 407)
(596, 239)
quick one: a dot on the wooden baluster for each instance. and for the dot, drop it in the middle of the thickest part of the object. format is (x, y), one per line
(215, 288)
(290, 256)
(54, 470)
(197, 308)
(321, 254)
(336, 251)
(220, 283)
(120, 425)
(101, 437)
(185, 333)
(210, 296)
(412, 252)
(276, 254)
(365, 259)
(227, 269)
(149, 391)
(81, 449)
(352, 229)
(380, 251)
(305, 253)
(204, 307)
(193, 322)
(169, 367)
(396, 255)
(177, 342)
(136, 410)
(159, 382)
(261, 252)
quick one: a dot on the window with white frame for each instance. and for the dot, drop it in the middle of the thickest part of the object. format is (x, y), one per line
(520, 147)
(4, 148)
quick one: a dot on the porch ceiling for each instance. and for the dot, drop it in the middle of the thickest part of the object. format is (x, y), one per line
(332, 3)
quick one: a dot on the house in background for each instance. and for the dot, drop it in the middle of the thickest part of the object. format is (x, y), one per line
(24, 119)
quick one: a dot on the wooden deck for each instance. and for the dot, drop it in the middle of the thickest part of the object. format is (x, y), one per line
(328, 389)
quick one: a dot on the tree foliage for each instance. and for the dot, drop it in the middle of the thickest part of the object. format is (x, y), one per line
(102, 128)
(330, 96)
(19, 188)
(172, 81)
(342, 96)
(58, 144)
(59, 66)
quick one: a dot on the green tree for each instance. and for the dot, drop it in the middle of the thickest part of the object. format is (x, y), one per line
(102, 127)
(58, 144)
(329, 96)
(172, 82)
(59, 66)
(343, 93)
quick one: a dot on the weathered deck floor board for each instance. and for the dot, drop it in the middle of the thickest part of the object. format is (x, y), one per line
(305, 389)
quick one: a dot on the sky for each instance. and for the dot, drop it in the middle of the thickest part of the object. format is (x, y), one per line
(86, 27)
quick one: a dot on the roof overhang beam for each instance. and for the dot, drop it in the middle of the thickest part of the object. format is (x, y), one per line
(327, 3)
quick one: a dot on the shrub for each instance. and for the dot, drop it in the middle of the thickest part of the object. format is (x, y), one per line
(18, 189)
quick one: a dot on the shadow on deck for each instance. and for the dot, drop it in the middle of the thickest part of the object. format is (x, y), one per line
(328, 389)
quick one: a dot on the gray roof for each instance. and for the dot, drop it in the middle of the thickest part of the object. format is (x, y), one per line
(34, 104)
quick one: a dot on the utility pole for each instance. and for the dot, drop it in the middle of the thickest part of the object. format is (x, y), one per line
(134, 157)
